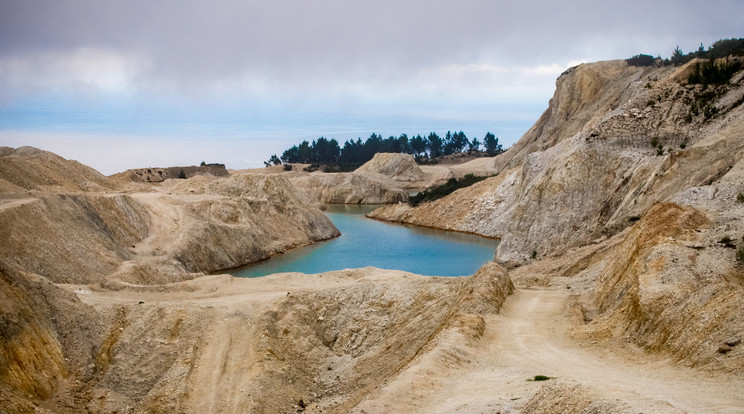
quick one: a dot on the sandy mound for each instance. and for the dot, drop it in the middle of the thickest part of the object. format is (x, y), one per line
(400, 167)
(350, 188)
(28, 168)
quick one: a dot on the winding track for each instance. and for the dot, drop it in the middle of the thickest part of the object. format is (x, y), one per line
(530, 337)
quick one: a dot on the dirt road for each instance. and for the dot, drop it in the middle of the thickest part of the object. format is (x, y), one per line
(530, 337)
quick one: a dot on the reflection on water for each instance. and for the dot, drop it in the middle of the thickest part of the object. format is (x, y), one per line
(366, 242)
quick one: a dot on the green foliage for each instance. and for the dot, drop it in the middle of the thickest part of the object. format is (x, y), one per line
(275, 160)
(634, 218)
(725, 47)
(287, 167)
(356, 152)
(641, 60)
(740, 198)
(203, 164)
(655, 142)
(443, 190)
(710, 72)
(651, 103)
(533, 255)
(660, 150)
(492, 145)
(182, 174)
(474, 145)
(678, 57)
(720, 49)
(435, 145)
(540, 378)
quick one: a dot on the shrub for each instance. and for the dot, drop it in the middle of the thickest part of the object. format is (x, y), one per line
(533, 255)
(634, 218)
(711, 73)
(641, 60)
(540, 378)
(727, 242)
(182, 174)
(287, 167)
(443, 190)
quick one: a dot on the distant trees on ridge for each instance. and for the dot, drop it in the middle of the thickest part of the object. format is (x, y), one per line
(325, 151)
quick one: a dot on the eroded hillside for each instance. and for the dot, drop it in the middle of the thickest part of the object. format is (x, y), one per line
(592, 161)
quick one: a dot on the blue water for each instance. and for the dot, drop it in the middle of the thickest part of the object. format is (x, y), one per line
(366, 242)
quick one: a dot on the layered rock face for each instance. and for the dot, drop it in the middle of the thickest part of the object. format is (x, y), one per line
(673, 290)
(588, 165)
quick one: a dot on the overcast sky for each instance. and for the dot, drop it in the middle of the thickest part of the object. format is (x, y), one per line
(124, 84)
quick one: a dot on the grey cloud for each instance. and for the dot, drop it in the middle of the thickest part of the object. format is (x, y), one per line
(297, 38)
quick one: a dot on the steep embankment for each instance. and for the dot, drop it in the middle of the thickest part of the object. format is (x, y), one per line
(588, 165)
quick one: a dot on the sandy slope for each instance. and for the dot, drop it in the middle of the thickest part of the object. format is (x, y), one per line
(531, 337)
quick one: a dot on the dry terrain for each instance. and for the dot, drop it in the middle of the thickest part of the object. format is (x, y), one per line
(619, 276)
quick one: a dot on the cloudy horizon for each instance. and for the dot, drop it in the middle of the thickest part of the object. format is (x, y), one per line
(119, 85)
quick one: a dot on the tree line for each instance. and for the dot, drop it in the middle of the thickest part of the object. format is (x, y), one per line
(720, 49)
(325, 151)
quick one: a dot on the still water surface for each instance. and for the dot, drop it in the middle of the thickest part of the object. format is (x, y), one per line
(366, 242)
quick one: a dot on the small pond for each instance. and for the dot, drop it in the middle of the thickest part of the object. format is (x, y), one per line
(366, 242)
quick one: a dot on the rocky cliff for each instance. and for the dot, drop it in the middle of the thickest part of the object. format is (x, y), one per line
(628, 192)
(589, 164)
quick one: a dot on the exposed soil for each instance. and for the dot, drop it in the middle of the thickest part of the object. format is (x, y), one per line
(530, 337)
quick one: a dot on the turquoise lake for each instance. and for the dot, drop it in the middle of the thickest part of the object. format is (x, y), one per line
(366, 242)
